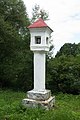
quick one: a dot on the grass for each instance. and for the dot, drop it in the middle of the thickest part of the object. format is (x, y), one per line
(67, 107)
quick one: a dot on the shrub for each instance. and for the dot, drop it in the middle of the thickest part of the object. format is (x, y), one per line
(63, 74)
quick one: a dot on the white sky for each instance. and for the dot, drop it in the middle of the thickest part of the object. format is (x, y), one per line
(64, 19)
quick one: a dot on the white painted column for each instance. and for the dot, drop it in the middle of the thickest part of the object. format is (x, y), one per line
(39, 71)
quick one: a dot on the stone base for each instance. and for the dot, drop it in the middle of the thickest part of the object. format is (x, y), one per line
(47, 104)
(39, 95)
(41, 99)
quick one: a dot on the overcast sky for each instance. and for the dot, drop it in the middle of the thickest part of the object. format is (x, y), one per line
(64, 19)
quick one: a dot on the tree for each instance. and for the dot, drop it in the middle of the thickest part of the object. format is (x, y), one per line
(38, 13)
(63, 74)
(14, 11)
(69, 49)
(9, 41)
(15, 56)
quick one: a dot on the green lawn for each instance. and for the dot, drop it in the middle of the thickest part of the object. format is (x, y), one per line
(67, 107)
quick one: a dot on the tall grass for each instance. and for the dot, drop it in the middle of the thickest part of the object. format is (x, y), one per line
(67, 107)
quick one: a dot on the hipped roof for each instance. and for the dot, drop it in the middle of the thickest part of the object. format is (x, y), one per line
(39, 24)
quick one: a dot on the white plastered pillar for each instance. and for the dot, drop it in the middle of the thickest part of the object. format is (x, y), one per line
(39, 70)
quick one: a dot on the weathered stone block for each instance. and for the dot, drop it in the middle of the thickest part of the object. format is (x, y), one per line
(39, 95)
(46, 104)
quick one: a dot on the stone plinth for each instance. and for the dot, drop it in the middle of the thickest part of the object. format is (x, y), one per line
(39, 95)
(42, 99)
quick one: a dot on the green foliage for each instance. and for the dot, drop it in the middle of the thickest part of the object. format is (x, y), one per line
(63, 74)
(63, 71)
(8, 47)
(15, 56)
(14, 11)
(69, 49)
(67, 107)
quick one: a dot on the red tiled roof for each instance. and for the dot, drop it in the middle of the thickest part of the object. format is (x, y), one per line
(38, 24)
